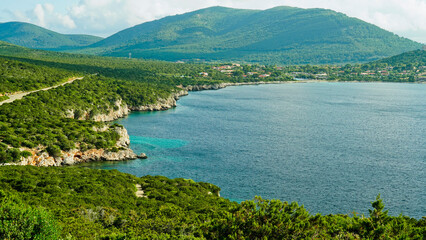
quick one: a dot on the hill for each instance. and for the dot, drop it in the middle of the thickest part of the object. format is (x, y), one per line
(417, 58)
(81, 203)
(281, 35)
(32, 36)
(19, 76)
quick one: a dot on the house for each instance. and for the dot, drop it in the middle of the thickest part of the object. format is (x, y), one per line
(264, 75)
(204, 74)
(227, 71)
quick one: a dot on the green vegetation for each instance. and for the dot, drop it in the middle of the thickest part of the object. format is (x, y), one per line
(407, 67)
(18, 76)
(50, 118)
(99, 204)
(20, 221)
(79, 203)
(157, 72)
(54, 119)
(281, 35)
(414, 58)
(32, 36)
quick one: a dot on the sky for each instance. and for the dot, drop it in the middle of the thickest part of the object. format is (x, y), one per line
(103, 18)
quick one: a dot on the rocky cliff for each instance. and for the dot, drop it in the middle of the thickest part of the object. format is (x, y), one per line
(39, 157)
(122, 109)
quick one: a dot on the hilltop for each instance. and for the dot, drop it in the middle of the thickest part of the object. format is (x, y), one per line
(281, 35)
(417, 57)
(32, 36)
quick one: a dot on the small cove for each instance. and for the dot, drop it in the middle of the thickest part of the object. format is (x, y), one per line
(330, 146)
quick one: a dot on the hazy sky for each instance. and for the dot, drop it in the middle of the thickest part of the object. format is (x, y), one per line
(105, 17)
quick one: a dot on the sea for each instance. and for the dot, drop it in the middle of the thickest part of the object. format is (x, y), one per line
(332, 147)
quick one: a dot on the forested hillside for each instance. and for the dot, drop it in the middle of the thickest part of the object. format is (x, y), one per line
(32, 36)
(19, 76)
(416, 58)
(79, 203)
(129, 69)
(281, 35)
(40, 119)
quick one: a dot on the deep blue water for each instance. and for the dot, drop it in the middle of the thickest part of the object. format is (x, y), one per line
(330, 146)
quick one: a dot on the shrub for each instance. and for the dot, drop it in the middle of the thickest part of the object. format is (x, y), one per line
(54, 151)
(18, 221)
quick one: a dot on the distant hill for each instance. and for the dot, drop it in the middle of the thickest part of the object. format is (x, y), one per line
(417, 57)
(281, 35)
(32, 36)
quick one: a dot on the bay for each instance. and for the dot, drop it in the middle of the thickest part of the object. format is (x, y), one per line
(329, 146)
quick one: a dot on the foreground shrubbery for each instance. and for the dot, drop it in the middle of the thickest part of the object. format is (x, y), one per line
(99, 204)
(19, 221)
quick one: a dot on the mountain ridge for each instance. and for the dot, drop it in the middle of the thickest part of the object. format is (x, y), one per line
(33, 36)
(280, 35)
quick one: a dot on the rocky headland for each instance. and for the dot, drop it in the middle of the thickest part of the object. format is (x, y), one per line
(121, 152)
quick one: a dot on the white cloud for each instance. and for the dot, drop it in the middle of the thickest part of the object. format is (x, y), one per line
(45, 15)
(105, 17)
(39, 13)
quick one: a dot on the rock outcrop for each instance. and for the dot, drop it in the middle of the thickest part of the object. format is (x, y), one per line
(39, 157)
(162, 104)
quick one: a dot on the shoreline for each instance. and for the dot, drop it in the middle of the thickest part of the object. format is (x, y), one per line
(75, 156)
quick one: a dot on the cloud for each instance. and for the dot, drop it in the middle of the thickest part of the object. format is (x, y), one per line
(45, 15)
(39, 13)
(105, 17)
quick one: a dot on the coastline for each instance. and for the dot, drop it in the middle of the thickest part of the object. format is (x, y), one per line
(74, 156)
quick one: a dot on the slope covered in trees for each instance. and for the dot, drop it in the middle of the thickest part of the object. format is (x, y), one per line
(40, 119)
(281, 35)
(416, 58)
(79, 203)
(19, 76)
(32, 36)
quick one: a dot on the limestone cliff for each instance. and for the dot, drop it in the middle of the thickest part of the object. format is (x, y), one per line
(39, 157)
(162, 104)
(122, 109)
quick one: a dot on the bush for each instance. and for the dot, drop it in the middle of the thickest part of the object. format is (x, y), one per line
(54, 151)
(18, 221)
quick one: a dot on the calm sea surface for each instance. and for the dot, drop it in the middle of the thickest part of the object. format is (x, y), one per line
(329, 146)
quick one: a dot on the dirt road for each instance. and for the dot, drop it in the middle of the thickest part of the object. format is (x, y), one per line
(20, 95)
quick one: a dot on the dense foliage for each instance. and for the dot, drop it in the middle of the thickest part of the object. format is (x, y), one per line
(19, 76)
(41, 118)
(406, 67)
(32, 36)
(99, 204)
(415, 58)
(20, 221)
(128, 69)
(79, 203)
(281, 35)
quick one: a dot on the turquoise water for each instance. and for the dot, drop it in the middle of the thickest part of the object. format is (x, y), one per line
(330, 146)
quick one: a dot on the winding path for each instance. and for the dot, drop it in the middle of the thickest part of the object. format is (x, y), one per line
(139, 192)
(20, 95)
